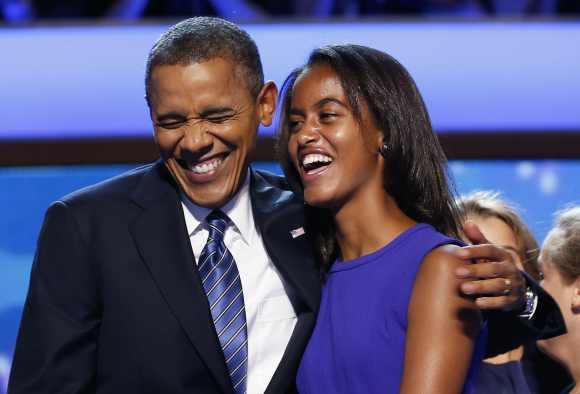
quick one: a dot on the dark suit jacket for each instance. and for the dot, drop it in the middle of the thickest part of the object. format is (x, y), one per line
(115, 304)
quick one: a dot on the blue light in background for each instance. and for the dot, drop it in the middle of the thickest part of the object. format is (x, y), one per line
(88, 81)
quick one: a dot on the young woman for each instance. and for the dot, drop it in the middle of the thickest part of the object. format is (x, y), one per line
(356, 140)
(502, 225)
(560, 268)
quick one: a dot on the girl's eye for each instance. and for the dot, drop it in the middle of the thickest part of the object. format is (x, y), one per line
(327, 115)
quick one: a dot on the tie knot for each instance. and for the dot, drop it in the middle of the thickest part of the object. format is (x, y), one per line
(217, 221)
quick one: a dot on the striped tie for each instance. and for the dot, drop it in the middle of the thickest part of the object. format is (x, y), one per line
(221, 281)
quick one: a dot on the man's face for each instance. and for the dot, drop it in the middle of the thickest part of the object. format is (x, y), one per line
(205, 121)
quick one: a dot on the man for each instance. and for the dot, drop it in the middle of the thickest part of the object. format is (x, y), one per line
(137, 282)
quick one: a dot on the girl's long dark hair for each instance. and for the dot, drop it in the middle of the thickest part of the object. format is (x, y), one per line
(415, 165)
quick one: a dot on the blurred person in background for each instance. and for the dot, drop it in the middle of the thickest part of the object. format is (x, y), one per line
(501, 223)
(560, 267)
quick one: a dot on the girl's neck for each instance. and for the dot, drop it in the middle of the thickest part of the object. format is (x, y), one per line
(365, 225)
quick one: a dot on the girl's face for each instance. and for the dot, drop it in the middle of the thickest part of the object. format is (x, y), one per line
(335, 155)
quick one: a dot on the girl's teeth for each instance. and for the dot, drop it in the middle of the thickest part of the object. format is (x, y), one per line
(315, 157)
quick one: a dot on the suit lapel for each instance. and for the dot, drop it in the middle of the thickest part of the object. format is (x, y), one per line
(162, 240)
(279, 215)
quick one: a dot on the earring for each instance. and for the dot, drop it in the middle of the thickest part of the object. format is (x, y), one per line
(384, 149)
(575, 304)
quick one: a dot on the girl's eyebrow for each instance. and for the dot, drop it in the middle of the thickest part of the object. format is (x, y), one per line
(318, 104)
(330, 100)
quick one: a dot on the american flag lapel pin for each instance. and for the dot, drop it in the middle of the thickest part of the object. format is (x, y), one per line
(297, 232)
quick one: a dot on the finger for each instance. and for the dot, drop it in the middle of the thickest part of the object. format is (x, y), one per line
(473, 233)
(486, 252)
(496, 303)
(489, 287)
(471, 268)
(492, 269)
(464, 271)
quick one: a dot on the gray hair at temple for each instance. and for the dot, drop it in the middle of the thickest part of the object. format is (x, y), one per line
(200, 39)
(562, 244)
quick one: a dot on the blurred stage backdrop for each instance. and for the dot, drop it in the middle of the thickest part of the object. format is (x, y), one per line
(503, 95)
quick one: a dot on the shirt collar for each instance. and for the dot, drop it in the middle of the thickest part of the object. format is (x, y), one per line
(238, 209)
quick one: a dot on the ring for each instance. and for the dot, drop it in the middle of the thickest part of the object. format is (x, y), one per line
(508, 286)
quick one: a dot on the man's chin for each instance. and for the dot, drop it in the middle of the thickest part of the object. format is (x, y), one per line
(209, 193)
(205, 197)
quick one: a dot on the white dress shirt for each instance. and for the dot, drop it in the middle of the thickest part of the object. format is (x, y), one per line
(270, 316)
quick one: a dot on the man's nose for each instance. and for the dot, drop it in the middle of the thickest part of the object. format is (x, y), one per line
(197, 140)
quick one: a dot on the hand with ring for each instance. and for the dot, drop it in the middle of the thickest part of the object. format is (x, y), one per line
(494, 280)
(508, 286)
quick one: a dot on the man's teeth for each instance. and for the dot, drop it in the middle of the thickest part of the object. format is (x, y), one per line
(206, 167)
(315, 158)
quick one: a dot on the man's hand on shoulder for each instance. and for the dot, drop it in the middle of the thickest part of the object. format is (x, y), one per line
(493, 278)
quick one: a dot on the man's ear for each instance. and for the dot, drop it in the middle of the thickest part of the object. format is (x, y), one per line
(267, 102)
(576, 296)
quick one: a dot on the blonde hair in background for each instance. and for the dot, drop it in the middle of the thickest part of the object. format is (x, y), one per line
(562, 244)
(489, 204)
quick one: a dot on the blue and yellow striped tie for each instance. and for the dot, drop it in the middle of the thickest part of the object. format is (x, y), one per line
(221, 281)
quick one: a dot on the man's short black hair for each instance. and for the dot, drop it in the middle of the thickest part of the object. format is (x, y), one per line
(200, 39)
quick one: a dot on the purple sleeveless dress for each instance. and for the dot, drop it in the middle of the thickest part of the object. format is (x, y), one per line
(358, 344)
